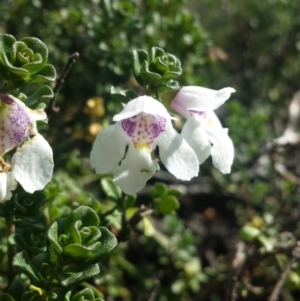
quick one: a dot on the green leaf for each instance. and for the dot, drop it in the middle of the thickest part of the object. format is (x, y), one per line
(170, 75)
(168, 204)
(53, 232)
(31, 296)
(16, 288)
(22, 261)
(249, 233)
(119, 98)
(161, 65)
(6, 42)
(43, 94)
(85, 214)
(75, 274)
(16, 52)
(111, 189)
(108, 243)
(38, 47)
(156, 52)
(149, 77)
(20, 72)
(139, 57)
(81, 251)
(6, 297)
(46, 73)
(86, 294)
(159, 190)
(130, 201)
(131, 94)
(7, 208)
(35, 65)
(266, 243)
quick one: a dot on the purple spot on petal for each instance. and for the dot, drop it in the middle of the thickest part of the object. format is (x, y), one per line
(144, 128)
(15, 123)
(128, 126)
(158, 125)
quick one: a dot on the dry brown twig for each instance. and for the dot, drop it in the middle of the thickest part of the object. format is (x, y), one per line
(51, 108)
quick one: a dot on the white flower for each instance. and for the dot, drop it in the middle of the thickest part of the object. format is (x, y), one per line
(143, 124)
(7, 184)
(32, 163)
(203, 130)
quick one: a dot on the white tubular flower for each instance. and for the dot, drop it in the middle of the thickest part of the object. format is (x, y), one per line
(32, 163)
(203, 130)
(143, 124)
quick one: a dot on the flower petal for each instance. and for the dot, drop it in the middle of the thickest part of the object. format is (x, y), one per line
(15, 123)
(177, 155)
(3, 185)
(32, 164)
(7, 185)
(108, 149)
(145, 104)
(135, 170)
(195, 135)
(199, 98)
(222, 150)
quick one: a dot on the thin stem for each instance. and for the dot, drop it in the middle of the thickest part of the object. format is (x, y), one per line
(51, 106)
(277, 288)
(10, 249)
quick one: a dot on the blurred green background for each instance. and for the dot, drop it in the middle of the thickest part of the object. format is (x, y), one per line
(250, 45)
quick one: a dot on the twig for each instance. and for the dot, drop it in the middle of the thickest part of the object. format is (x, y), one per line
(51, 108)
(276, 291)
(157, 283)
(238, 265)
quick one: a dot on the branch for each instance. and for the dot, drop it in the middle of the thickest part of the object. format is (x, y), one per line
(51, 108)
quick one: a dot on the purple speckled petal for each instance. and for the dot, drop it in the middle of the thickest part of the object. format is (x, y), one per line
(144, 128)
(15, 123)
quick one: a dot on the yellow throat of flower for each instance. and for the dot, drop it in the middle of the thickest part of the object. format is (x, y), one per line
(142, 145)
